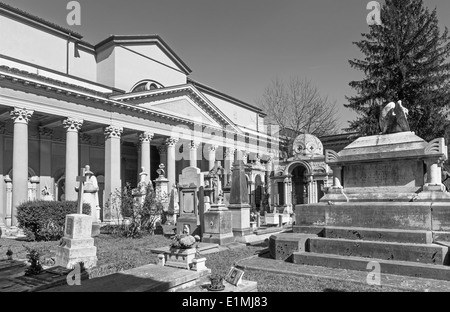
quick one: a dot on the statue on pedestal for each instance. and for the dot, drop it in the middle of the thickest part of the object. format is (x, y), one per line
(393, 118)
(46, 194)
(90, 194)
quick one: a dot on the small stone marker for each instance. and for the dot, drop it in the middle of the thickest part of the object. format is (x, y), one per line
(77, 244)
(234, 276)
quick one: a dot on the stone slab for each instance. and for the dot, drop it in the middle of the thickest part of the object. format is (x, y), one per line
(6, 265)
(148, 278)
(431, 254)
(268, 230)
(244, 286)
(441, 236)
(438, 272)
(220, 239)
(51, 277)
(204, 248)
(282, 246)
(388, 215)
(388, 281)
(381, 235)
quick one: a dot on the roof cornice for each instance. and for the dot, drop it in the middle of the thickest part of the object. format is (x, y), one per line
(115, 40)
(226, 97)
(191, 91)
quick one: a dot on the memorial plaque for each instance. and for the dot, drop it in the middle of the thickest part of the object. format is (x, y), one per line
(393, 173)
(188, 202)
(69, 226)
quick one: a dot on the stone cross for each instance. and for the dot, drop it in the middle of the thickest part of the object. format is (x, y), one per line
(81, 179)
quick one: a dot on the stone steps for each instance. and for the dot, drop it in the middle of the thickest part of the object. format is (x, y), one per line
(420, 270)
(423, 253)
(366, 234)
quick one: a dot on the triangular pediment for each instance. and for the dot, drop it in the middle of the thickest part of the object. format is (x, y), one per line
(182, 107)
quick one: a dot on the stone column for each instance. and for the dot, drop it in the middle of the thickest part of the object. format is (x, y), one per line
(72, 127)
(211, 156)
(193, 146)
(337, 176)
(85, 157)
(268, 189)
(434, 175)
(171, 165)
(145, 139)
(8, 217)
(21, 117)
(112, 169)
(2, 182)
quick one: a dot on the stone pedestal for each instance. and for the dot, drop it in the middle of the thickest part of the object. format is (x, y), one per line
(180, 258)
(218, 225)
(239, 201)
(77, 243)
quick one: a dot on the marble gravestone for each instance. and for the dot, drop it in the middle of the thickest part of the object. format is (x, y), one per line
(191, 183)
(77, 244)
(239, 201)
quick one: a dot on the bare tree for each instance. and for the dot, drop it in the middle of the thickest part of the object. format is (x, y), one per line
(298, 107)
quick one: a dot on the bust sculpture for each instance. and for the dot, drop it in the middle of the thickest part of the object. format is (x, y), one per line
(393, 118)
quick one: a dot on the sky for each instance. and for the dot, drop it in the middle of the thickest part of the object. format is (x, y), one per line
(239, 46)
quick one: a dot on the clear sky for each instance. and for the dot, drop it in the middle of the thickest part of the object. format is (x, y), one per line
(239, 46)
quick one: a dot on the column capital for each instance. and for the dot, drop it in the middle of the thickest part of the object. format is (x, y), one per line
(72, 124)
(146, 137)
(113, 132)
(171, 142)
(21, 115)
(194, 145)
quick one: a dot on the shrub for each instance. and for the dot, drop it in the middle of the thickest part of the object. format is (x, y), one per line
(141, 218)
(34, 258)
(44, 220)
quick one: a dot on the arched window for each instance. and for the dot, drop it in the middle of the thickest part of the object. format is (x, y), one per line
(146, 85)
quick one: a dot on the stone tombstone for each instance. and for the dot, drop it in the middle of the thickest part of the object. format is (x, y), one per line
(218, 225)
(140, 192)
(77, 244)
(191, 183)
(162, 188)
(239, 200)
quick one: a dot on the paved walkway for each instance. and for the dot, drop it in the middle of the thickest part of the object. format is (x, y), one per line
(406, 283)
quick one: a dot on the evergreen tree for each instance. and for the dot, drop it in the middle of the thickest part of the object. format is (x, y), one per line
(405, 59)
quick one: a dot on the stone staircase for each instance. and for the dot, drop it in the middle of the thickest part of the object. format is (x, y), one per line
(401, 252)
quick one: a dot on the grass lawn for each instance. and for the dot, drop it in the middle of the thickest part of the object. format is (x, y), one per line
(116, 254)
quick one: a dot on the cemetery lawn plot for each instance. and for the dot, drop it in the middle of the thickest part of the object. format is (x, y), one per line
(221, 263)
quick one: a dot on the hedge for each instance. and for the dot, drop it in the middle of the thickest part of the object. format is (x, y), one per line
(45, 220)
